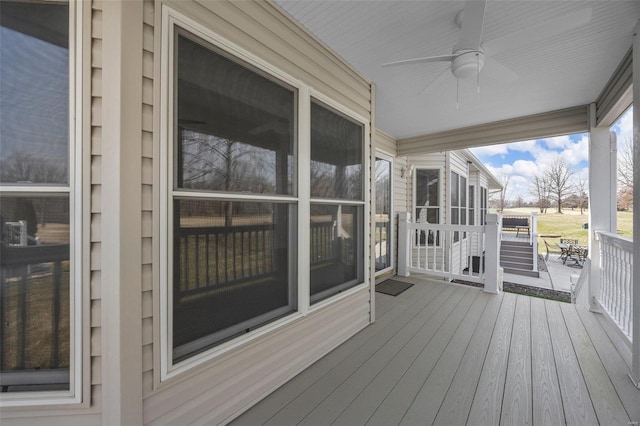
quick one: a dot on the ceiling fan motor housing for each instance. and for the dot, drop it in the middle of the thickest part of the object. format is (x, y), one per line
(467, 64)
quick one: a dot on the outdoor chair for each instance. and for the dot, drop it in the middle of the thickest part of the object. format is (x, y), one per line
(549, 250)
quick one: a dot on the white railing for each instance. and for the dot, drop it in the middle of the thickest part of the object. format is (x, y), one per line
(616, 279)
(533, 239)
(454, 252)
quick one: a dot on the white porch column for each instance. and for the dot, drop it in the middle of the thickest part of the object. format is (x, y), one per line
(602, 195)
(492, 269)
(122, 213)
(635, 364)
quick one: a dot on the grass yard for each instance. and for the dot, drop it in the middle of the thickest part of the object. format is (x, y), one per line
(569, 224)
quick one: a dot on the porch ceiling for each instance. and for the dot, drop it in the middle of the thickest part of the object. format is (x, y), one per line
(554, 71)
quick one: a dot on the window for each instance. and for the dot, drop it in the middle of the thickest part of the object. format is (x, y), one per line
(472, 205)
(384, 215)
(483, 205)
(233, 205)
(257, 224)
(39, 202)
(427, 201)
(337, 203)
(455, 203)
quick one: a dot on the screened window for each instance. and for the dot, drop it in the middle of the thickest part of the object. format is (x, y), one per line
(337, 237)
(472, 205)
(427, 201)
(455, 203)
(234, 263)
(483, 205)
(37, 198)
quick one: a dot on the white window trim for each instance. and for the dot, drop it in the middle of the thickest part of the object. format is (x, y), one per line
(441, 196)
(171, 19)
(75, 190)
(384, 156)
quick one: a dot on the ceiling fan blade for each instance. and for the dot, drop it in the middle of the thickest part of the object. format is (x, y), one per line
(550, 28)
(442, 58)
(472, 22)
(436, 81)
(497, 71)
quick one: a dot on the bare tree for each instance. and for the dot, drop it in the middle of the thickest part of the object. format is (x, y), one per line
(540, 189)
(504, 198)
(581, 192)
(559, 177)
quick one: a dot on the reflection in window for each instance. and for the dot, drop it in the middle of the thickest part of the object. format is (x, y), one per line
(383, 214)
(36, 270)
(236, 127)
(34, 70)
(336, 155)
(336, 249)
(35, 291)
(427, 202)
(232, 270)
(234, 267)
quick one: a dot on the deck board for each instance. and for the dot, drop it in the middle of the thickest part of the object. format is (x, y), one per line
(606, 402)
(613, 363)
(517, 402)
(397, 402)
(448, 354)
(487, 403)
(578, 408)
(547, 401)
(426, 403)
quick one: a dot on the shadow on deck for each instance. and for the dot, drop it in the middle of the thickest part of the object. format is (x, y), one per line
(450, 354)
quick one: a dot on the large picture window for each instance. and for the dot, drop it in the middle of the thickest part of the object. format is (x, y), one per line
(39, 195)
(337, 237)
(427, 202)
(233, 198)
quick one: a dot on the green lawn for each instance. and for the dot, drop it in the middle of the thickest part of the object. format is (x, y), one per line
(569, 223)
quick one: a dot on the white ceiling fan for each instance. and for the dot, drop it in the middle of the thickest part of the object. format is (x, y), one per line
(471, 55)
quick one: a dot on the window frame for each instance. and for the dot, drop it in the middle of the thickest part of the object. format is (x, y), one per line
(440, 206)
(77, 217)
(387, 157)
(171, 20)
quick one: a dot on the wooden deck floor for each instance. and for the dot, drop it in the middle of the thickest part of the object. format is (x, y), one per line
(452, 355)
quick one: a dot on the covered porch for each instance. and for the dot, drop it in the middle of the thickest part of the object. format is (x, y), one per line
(451, 354)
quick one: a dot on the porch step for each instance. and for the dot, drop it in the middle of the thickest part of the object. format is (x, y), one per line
(525, 272)
(516, 257)
(516, 265)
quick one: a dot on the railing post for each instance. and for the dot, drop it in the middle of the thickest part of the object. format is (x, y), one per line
(533, 239)
(404, 248)
(493, 271)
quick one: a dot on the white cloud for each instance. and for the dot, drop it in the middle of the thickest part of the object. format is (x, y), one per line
(490, 150)
(558, 142)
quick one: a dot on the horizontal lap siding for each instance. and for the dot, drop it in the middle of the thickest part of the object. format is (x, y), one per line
(219, 390)
(147, 163)
(96, 205)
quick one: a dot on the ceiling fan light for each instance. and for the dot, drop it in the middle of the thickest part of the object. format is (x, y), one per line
(467, 64)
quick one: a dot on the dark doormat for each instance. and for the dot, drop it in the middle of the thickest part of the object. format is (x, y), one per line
(392, 287)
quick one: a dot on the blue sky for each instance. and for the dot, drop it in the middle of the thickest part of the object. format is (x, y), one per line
(524, 160)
